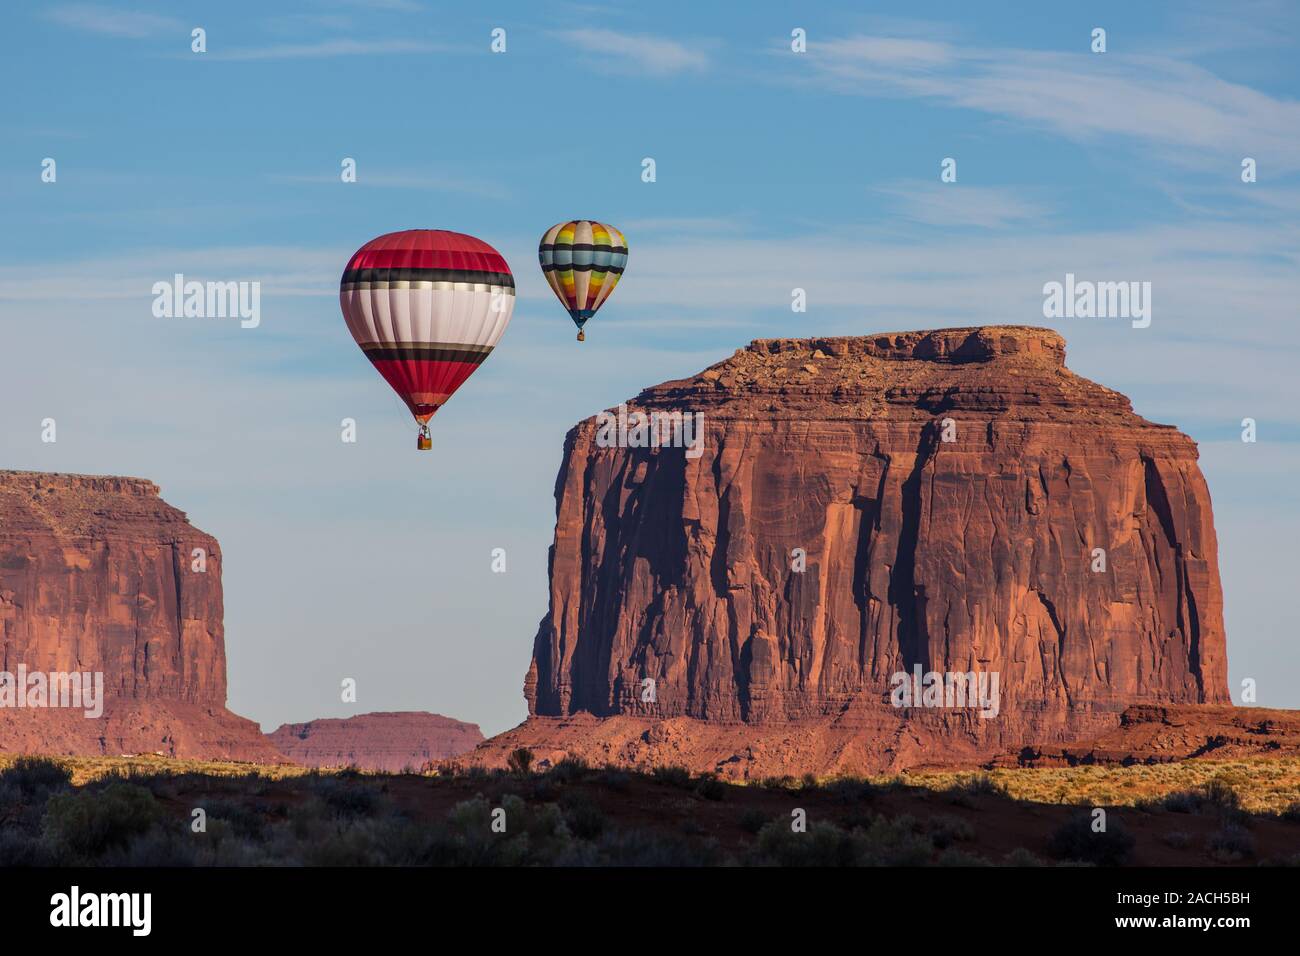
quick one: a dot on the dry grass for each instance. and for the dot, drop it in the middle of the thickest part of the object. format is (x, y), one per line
(1265, 785)
(88, 769)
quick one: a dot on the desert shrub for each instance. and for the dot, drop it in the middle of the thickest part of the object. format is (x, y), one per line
(1177, 840)
(1182, 801)
(822, 844)
(583, 817)
(612, 778)
(673, 776)
(350, 845)
(19, 811)
(346, 796)
(752, 820)
(520, 761)
(1231, 844)
(157, 846)
(36, 776)
(708, 786)
(23, 848)
(1220, 794)
(946, 830)
(1216, 795)
(533, 834)
(884, 843)
(1291, 813)
(1075, 839)
(88, 822)
(809, 781)
(978, 785)
(541, 788)
(852, 790)
(569, 770)
(896, 842)
(244, 819)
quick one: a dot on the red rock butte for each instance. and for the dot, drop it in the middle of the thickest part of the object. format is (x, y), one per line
(97, 574)
(953, 495)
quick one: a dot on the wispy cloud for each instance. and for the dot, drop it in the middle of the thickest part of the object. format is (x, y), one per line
(284, 270)
(678, 225)
(1193, 115)
(129, 24)
(636, 52)
(327, 48)
(419, 181)
(399, 6)
(956, 205)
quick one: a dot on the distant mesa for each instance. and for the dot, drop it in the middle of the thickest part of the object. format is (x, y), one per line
(953, 501)
(390, 742)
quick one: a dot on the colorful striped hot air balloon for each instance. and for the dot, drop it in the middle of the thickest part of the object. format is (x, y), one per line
(583, 261)
(427, 306)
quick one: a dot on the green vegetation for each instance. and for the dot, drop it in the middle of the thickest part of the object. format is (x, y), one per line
(151, 811)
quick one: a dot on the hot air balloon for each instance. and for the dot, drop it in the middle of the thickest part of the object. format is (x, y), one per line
(427, 306)
(583, 261)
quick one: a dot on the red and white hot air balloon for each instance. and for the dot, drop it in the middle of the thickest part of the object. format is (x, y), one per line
(427, 306)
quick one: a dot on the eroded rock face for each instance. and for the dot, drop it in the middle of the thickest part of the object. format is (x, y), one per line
(391, 742)
(947, 490)
(98, 574)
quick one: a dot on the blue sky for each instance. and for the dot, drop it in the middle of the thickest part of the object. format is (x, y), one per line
(774, 170)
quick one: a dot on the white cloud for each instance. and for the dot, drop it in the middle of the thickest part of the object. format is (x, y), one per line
(327, 48)
(636, 52)
(118, 23)
(1193, 115)
(955, 205)
(681, 224)
(425, 181)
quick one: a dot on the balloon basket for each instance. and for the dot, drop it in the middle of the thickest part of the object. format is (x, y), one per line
(424, 442)
(582, 336)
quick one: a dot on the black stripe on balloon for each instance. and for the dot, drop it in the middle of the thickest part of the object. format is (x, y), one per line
(425, 353)
(480, 277)
(581, 247)
(616, 270)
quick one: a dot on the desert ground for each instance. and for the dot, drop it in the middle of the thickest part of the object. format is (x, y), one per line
(143, 811)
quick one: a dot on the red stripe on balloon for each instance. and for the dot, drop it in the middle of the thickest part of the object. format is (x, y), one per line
(419, 381)
(428, 249)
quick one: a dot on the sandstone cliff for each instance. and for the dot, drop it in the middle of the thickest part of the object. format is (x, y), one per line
(98, 575)
(390, 742)
(947, 490)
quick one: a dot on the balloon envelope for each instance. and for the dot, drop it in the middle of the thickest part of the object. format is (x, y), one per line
(426, 306)
(583, 261)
